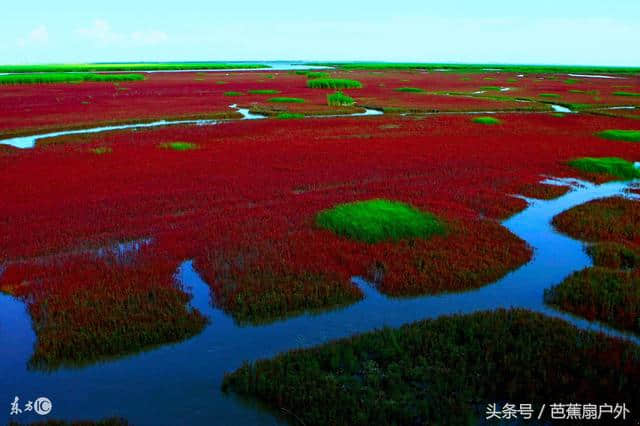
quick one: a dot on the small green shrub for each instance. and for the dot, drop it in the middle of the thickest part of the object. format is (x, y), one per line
(289, 115)
(486, 120)
(333, 83)
(263, 92)
(409, 89)
(339, 99)
(287, 100)
(179, 146)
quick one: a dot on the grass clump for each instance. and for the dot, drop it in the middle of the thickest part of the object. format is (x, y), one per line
(549, 95)
(378, 220)
(333, 83)
(613, 166)
(486, 120)
(66, 78)
(264, 91)
(287, 100)
(632, 94)
(340, 99)
(101, 150)
(316, 74)
(443, 371)
(289, 115)
(621, 135)
(179, 146)
(233, 93)
(409, 89)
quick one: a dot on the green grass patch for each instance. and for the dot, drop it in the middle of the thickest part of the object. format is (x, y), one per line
(66, 78)
(287, 100)
(621, 135)
(179, 146)
(101, 150)
(443, 371)
(549, 95)
(409, 89)
(333, 83)
(486, 120)
(233, 93)
(491, 88)
(263, 92)
(576, 91)
(340, 99)
(612, 166)
(289, 115)
(317, 74)
(144, 66)
(626, 94)
(378, 220)
(571, 81)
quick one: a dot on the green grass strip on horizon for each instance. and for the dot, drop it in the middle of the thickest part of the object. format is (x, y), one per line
(479, 68)
(145, 66)
(66, 78)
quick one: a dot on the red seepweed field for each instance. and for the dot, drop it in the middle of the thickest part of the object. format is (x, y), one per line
(241, 201)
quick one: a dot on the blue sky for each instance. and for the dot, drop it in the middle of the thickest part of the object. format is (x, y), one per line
(516, 31)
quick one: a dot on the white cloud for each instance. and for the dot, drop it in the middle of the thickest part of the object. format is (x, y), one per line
(149, 37)
(100, 33)
(37, 36)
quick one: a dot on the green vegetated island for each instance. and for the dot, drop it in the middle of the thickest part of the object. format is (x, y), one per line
(482, 67)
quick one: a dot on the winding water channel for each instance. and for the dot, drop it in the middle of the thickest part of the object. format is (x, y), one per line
(180, 383)
(28, 142)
